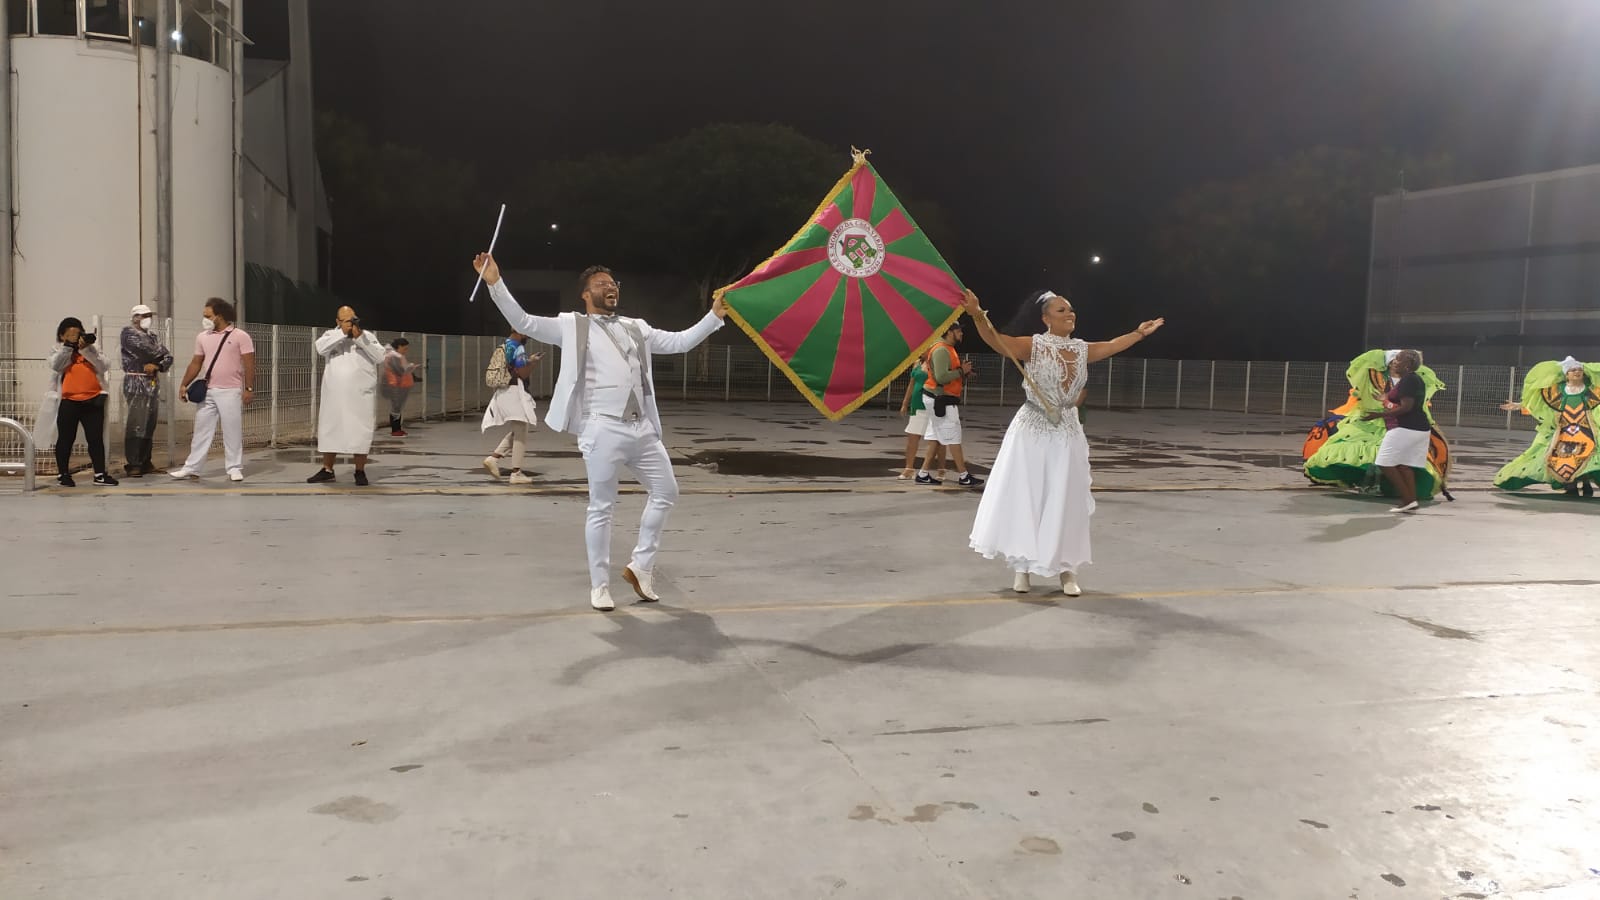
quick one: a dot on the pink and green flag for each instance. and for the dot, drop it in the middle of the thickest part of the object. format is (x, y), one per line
(851, 300)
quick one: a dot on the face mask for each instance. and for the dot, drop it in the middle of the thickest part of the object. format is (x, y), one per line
(145, 322)
(207, 325)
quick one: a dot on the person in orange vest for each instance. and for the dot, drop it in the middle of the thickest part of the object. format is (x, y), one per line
(941, 395)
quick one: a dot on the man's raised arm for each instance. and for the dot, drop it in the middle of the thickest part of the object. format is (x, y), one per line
(691, 337)
(541, 328)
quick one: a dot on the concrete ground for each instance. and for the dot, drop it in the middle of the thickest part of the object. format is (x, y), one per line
(1268, 690)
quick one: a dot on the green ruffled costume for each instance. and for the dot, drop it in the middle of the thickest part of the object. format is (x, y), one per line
(1347, 458)
(1573, 418)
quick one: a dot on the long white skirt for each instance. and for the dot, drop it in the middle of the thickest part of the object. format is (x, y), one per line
(1036, 506)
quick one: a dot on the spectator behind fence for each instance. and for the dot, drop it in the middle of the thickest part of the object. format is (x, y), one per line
(228, 385)
(399, 375)
(349, 381)
(79, 380)
(143, 357)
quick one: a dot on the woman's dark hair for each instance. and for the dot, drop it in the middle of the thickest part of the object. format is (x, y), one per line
(68, 322)
(221, 307)
(397, 343)
(1030, 314)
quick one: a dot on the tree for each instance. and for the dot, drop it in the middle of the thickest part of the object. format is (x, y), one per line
(707, 206)
(1274, 264)
(392, 208)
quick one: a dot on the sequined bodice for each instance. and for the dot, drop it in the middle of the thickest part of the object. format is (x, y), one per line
(1056, 365)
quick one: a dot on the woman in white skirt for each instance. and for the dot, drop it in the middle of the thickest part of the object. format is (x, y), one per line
(1035, 511)
(511, 410)
(1405, 444)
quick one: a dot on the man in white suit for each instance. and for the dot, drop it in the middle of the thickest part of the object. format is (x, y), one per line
(605, 395)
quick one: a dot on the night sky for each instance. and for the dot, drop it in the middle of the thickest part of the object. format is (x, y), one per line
(1048, 130)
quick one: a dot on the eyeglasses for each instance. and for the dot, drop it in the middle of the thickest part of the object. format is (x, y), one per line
(602, 285)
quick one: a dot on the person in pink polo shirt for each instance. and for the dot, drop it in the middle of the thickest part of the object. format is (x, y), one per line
(226, 357)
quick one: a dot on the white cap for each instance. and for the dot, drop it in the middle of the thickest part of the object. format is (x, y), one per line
(1568, 364)
(1389, 355)
(141, 310)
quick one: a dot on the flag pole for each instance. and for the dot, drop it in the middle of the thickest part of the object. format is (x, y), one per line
(492, 240)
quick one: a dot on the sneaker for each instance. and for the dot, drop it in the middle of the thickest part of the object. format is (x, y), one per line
(519, 478)
(235, 474)
(361, 478)
(104, 479)
(600, 598)
(1069, 585)
(397, 433)
(65, 480)
(182, 473)
(321, 476)
(969, 480)
(1411, 507)
(1019, 583)
(493, 465)
(923, 478)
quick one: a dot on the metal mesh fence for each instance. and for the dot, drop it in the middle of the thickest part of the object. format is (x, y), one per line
(450, 384)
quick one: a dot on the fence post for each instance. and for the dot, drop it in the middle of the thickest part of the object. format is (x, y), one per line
(272, 384)
(769, 380)
(1247, 366)
(463, 378)
(1109, 363)
(1324, 405)
(685, 363)
(444, 378)
(727, 374)
(1211, 396)
(1144, 381)
(1511, 390)
(1461, 388)
(1283, 408)
(172, 400)
(314, 385)
(1002, 367)
(1177, 395)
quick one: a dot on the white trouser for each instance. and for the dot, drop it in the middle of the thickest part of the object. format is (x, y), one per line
(607, 445)
(226, 404)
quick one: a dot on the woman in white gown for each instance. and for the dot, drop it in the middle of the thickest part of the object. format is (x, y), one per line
(1035, 510)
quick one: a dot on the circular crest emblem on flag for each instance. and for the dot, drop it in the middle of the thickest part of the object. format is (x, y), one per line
(855, 249)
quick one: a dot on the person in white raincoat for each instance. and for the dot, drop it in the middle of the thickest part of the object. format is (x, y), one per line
(349, 388)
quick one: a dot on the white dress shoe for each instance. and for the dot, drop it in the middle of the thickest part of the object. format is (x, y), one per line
(641, 584)
(1019, 583)
(519, 478)
(1069, 585)
(235, 474)
(1411, 507)
(600, 598)
(181, 474)
(492, 465)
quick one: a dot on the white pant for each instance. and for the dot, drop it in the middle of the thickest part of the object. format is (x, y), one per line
(226, 404)
(606, 445)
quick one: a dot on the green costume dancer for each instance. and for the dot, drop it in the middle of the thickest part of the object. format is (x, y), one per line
(1348, 457)
(1563, 397)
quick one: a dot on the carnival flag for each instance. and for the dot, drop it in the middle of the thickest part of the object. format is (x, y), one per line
(851, 300)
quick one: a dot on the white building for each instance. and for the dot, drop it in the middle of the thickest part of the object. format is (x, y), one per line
(117, 199)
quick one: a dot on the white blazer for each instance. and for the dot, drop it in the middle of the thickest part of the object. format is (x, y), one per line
(569, 404)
